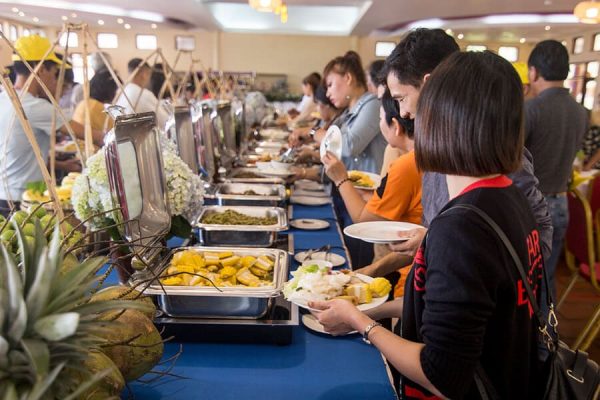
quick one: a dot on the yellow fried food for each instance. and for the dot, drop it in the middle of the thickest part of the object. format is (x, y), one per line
(247, 261)
(225, 254)
(361, 291)
(245, 277)
(264, 263)
(380, 287)
(229, 261)
(261, 273)
(172, 281)
(227, 272)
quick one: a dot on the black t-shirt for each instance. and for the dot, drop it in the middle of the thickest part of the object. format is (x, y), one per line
(465, 301)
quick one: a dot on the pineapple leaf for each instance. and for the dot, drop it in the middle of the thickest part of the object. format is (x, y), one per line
(4, 347)
(18, 325)
(25, 253)
(42, 385)
(63, 285)
(8, 391)
(57, 327)
(37, 297)
(84, 387)
(12, 282)
(38, 248)
(39, 355)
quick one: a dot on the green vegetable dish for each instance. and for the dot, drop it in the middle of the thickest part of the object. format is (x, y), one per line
(231, 217)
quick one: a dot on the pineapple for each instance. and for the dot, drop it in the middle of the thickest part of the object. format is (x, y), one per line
(48, 327)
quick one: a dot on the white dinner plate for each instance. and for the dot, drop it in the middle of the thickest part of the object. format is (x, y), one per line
(309, 224)
(309, 200)
(309, 193)
(332, 142)
(335, 259)
(279, 173)
(374, 177)
(305, 184)
(377, 301)
(381, 232)
(310, 321)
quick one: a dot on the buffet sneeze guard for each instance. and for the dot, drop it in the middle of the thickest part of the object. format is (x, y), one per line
(208, 143)
(137, 181)
(185, 137)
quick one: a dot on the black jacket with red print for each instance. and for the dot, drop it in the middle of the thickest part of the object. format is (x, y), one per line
(465, 301)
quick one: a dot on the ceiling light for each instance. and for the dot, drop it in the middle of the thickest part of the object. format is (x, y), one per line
(449, 31)
(460, 36)
(100, 22)
(21, 14)
(120, 20)
(73, 15)
(547, 2)
(547, 27)
(153, 26)
(64, 18)
(127, 26)
(36, 19)
(588, 12)
(265, 5)
(15, 9)
(522, 40)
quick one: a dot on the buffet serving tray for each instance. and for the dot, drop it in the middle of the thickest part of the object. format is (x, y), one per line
(234, 176)
(232, 193)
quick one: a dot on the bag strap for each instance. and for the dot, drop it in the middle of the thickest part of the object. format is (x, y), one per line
(484, 386)
(511, 250)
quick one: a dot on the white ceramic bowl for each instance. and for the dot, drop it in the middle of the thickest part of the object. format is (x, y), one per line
(278, 165)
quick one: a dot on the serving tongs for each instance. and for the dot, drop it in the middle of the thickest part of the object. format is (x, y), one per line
(325, 248)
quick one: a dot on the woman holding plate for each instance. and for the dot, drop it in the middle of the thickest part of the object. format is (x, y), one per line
(463, 308)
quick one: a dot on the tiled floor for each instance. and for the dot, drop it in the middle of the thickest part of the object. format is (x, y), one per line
(577, 309)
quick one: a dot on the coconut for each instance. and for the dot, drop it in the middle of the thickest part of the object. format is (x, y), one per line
(108, 387)
(137, 356)
(123, 293)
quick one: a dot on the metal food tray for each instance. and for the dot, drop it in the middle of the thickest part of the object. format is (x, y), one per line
(230, 194)
(228, 302)
(241, 235)
(232, 177)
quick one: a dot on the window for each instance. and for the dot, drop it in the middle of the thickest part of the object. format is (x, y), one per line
(476, 47)
(13, 33)
(510, 53)
(108, 40)
(578, 45)
(185, 43)
(384, 49)
(77, 63)
(596, 42)
(145, 42)
(72, 37)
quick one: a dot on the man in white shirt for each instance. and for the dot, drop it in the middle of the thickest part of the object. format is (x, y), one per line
(18, 165)
(138, 99)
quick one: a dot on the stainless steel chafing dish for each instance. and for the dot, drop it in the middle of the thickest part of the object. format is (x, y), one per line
(241, 235)
(230, 194)
(234, 176)
(225, 302)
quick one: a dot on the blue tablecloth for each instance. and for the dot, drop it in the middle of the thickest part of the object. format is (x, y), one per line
(314, 366)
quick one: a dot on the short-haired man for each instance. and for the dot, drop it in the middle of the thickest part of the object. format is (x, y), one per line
(407, 69)
(18, 165)
(555, 126)
(136, 92)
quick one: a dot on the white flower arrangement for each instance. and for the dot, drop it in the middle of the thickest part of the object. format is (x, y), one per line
(91, 197)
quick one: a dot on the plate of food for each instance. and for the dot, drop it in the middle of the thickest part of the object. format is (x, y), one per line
(67, 147)
(364, 180)
(305, 258)
(311, 282)
(332, 142)
(309, 200)
(381, 232)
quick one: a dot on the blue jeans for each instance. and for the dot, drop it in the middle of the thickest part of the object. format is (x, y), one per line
(559, 212)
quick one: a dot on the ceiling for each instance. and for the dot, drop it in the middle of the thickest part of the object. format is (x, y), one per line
(322, 17)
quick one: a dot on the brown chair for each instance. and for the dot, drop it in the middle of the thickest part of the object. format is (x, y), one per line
(580, 254)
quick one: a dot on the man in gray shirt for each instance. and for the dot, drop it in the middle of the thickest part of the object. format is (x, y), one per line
(407, 69)
(555, 126)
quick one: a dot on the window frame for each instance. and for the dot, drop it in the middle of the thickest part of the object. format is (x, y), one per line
(137, 45)
(116, 35)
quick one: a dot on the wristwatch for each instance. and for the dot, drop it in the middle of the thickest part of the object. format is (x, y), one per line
(368, 329)
(312, 132)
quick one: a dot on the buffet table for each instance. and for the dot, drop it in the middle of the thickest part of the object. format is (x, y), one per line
(314, 366)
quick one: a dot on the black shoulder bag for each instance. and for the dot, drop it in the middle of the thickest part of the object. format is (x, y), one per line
(570, 373)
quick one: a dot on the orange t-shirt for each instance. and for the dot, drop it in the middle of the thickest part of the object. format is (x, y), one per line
(398, 198)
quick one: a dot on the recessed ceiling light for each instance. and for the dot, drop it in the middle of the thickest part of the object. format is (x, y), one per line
(36, 19)
(547, 2)
(547, 27)
(64, 18)
(15, 9)
(449, 31)
(21, 14)
(460, 36)
(120, 20)
(127, 26)
(100, 22)
(153, 26)
(73, 15)
(522, 40)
